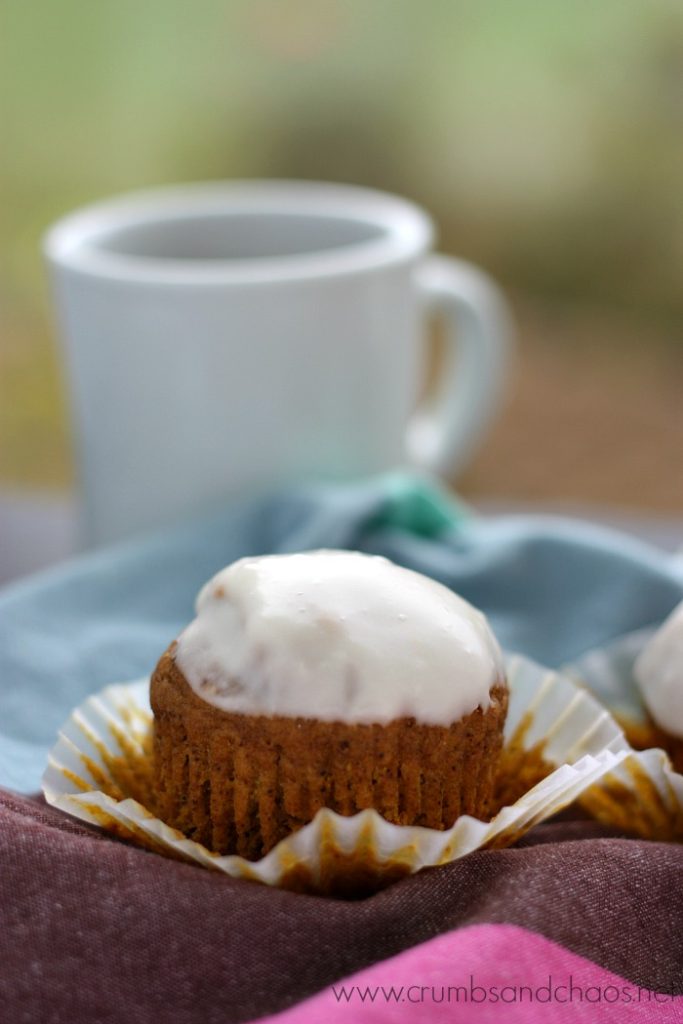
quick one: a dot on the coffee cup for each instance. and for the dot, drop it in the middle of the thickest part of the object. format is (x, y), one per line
(226, 339)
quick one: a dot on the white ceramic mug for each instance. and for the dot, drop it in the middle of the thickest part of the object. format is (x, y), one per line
(224, 339)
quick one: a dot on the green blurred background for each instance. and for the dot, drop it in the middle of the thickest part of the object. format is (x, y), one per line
(545, 137)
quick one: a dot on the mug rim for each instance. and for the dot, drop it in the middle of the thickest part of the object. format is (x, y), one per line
(406, 232)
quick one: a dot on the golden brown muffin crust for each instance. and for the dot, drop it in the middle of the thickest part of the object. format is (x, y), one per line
(240, 783)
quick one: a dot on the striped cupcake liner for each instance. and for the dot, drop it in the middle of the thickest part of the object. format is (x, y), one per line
(560, 745)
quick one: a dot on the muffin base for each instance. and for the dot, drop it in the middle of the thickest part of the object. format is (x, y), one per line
(240, 783)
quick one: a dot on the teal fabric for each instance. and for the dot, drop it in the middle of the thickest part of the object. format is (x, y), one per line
(553, 588)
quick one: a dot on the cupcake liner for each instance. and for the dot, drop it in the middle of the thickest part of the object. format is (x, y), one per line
(644, 794)
(559, 745)
(608, 672)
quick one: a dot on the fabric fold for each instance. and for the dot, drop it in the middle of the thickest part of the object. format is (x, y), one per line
(98, 931)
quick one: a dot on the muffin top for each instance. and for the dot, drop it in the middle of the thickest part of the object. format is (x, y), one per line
(659, 673)
(337, 636)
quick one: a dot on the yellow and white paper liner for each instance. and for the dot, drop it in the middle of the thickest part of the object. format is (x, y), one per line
(644, 794)
(577, 736)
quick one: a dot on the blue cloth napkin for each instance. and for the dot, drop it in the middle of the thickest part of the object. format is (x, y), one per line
(552, 588)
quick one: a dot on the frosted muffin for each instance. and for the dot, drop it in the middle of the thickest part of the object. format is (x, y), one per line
(659, 673)
(325, 679)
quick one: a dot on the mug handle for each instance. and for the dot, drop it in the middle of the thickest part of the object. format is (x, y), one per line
(445, 429)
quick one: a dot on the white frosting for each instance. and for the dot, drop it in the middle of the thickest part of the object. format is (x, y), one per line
(659, 673)
(338, 636)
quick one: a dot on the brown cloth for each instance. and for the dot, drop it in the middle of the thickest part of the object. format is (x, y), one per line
(93, 930)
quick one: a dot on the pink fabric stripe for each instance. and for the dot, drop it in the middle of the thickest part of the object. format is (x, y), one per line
(494, 956)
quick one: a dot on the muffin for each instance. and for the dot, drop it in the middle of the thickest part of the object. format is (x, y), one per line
(325, 679)
(659, 673)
